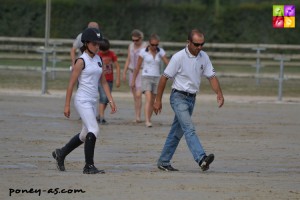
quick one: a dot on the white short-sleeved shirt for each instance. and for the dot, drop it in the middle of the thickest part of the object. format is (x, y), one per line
(89, 78)
(151, 65)
(187, 70)
(77, 43)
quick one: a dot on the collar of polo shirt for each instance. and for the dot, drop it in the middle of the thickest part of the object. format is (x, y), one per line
(189, 53)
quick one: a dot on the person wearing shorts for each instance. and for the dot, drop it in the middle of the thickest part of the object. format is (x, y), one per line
(110, 62)
(150, 57)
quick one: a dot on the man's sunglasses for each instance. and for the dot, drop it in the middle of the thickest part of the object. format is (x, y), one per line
(197, 44)
(135, 40)
(154, 45)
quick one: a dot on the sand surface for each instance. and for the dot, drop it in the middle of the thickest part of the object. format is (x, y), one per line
(256, 142)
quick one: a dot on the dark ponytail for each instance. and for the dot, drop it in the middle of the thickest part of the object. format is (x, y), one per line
(83, 48)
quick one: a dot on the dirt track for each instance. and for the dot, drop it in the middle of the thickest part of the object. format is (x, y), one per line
(256, 142)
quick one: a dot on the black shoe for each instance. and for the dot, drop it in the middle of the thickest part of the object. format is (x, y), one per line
(59, 160)
(103, 122)
(91, 169)
(206, 161)
(167, 168)
(98, 119)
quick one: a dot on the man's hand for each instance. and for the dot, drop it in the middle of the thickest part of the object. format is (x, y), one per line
(157, 106)
(220, 100)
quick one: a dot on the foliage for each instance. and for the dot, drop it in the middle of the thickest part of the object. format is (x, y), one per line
(228, 22)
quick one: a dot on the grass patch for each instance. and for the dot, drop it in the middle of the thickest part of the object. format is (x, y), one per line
(31, 80)
(33, 63)
(252, 70)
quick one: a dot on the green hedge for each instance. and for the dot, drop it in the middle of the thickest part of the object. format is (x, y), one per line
(234, 22)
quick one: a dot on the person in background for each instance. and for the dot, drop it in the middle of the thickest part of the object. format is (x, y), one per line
(110, 61)
(151, 58)
(77, 44)
(87, 70)
(186, 68)
(134, 49)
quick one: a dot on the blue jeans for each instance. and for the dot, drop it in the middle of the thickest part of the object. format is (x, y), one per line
(183, 107)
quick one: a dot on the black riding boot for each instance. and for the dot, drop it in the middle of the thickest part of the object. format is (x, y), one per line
(60, 154)
(89, 147)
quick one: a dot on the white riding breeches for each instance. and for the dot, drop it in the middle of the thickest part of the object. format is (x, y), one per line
(87, 110)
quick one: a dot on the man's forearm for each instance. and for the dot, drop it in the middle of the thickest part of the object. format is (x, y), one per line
(215, 85)
(161, 87)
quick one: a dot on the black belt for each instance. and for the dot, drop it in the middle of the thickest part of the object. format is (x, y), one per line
(185, 93)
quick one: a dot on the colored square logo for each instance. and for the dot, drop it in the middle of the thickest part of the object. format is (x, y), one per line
(284, 16)
(289, 22)
(289, 11)
(278, 22)
(278, 10)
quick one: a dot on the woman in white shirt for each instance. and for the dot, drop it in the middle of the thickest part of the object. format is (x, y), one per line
(150, 57)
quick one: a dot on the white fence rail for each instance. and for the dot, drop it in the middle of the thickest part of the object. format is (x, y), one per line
(221, 54)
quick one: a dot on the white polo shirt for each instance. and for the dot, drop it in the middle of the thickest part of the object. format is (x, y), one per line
(151, 65)
(187, 70)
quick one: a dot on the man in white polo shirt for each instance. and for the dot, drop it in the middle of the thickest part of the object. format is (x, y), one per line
(186, 68)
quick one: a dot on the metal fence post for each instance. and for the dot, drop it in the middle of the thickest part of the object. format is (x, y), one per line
(258, 64)
(47, 33)
(54, 59)
(281, 58)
